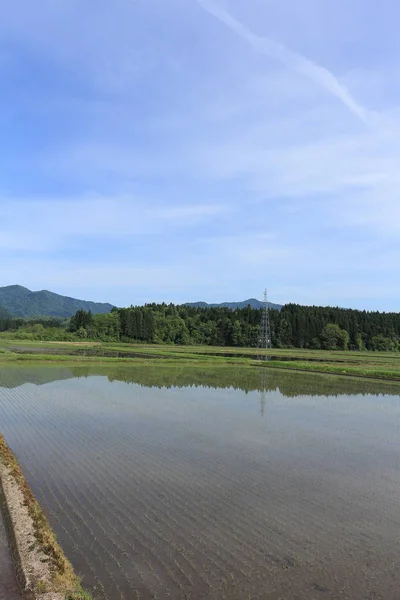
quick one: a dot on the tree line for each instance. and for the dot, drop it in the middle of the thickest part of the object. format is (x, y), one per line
(293, 326)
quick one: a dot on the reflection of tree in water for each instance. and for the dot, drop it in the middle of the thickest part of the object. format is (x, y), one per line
(248, 379)
(262, 378)
(15, 376)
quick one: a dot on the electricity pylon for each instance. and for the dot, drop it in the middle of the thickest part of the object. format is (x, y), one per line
(265, 329)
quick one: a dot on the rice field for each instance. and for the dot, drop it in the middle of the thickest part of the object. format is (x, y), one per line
(383, 366)
(187, 486)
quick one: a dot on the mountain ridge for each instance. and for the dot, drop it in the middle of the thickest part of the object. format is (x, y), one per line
(19, 301)
(253, 302)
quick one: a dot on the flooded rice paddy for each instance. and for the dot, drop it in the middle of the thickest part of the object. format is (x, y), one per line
(236, 483)
(9, 589)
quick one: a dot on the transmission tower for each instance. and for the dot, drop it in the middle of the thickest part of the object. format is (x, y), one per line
(265, 329)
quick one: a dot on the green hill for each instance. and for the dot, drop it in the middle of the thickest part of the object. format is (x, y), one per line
(21, 302)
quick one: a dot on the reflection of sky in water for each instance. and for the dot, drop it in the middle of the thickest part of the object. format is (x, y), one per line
(360, 431)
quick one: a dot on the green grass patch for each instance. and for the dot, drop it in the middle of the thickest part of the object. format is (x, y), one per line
(378, 365)
(367, 371)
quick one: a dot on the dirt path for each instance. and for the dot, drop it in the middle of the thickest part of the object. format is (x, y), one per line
(9, 589)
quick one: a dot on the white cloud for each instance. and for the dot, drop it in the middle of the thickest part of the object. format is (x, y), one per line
(290, 59)
(197, 163)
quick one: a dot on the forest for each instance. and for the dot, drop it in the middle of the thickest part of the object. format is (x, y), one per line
(293, 326)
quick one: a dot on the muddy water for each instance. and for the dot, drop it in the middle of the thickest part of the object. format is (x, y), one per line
(286, 489)
(9, 589)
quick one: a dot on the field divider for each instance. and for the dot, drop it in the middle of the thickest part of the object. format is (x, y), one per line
(43, 571)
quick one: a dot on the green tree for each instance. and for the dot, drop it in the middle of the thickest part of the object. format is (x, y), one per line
(334, 338)
(80, 319)
(292, 326)
(381, 343)
(359, 342)
(237, 336)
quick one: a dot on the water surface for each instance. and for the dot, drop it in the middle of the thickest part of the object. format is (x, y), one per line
(225, 483)
(9, 589)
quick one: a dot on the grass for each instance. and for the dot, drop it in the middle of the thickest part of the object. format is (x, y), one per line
(63, 577)
(387, 373)
(376, 365)
(82, 595)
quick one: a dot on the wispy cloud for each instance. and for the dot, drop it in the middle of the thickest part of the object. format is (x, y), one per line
(293, 60)
(60, 221)
(173, 158)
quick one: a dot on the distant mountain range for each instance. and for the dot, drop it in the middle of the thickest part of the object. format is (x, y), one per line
(233, 305)
(18, 301)
(21, 302)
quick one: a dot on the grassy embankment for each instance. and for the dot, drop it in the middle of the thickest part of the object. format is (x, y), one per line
(375, 365)
(63, 578)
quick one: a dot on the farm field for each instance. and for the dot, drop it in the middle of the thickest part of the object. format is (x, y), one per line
(207, 483)
(373, 365)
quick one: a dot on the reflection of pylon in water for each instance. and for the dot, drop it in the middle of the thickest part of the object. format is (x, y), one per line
(263, 400)
(263, 391)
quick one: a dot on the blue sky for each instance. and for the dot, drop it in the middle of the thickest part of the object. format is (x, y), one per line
(188, 150)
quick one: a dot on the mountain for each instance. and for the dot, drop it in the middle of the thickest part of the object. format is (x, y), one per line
(233, 305)
(4, 314)
(21, 302)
